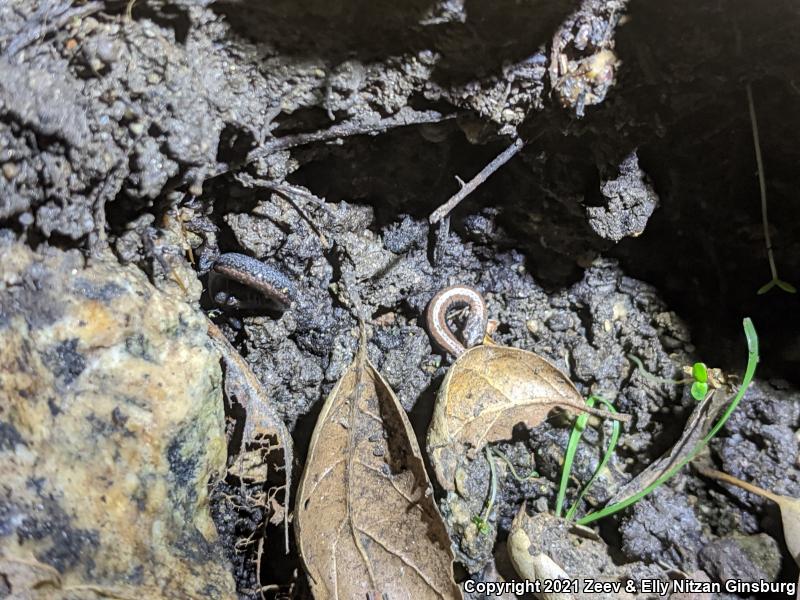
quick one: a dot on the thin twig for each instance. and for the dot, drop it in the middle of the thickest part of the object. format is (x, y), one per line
(470, 187)
(403, 118)
(292, 193)
(347, 129)
(41, 25)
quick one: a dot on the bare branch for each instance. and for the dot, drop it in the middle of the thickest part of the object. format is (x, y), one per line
(470, 187)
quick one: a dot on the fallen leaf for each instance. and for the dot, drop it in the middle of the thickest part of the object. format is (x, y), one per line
(263, 427)
(488, 391)
(546, 548)
(697, 425)
(790, 509)
(534, 567)
(366, 522)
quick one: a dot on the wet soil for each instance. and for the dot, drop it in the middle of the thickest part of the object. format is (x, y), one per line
(319, 136)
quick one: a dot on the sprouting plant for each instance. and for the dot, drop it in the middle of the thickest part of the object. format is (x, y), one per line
(775, 281)
(702, 379)
(482, 521)
(572, 448)
(700, 376)
(514, 474)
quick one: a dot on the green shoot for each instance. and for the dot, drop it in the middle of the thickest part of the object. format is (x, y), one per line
(569, 458)
(532, 475)
(482, 521)
(775, 281)
(481, 524)
(699, 379)
(752, 361)
(612, 445)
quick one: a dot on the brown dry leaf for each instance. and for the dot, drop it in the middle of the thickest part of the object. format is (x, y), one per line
(544, 547)
(366, 522)
(698, 424)
(790, 509)
(485, 394)
(262, 423)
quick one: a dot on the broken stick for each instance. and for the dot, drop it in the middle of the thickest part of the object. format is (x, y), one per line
(468, 188)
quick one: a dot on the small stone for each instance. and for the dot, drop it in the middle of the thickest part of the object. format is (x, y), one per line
(10, 170)
(619, 311)
(137, 128)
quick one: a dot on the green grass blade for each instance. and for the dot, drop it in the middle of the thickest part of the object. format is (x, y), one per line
(612, 445)
(752, 361)
(569, 457)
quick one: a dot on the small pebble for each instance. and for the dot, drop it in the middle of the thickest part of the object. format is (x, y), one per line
(10, 170)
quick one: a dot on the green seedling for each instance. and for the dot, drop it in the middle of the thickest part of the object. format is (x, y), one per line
(532, 475)
(700, 383)
(481, 524)
(572, 448)
(482, 521)
(775, 281)
(701, 377)
(752, 362)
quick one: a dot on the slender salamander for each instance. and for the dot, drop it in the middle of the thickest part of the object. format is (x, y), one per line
(457, 296)
(265, 279)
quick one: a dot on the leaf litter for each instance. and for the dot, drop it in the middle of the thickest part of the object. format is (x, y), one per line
(485, 394)
(262, 423)
(366, 522)
(789, 507)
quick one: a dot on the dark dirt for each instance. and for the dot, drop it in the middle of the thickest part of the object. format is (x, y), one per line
(635, 229)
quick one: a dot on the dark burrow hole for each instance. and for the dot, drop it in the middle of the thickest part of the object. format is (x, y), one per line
(703, 248)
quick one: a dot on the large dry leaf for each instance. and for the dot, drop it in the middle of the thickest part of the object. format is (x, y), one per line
(485, 394)
(790, 510)
(366, 522)
(698, 424)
